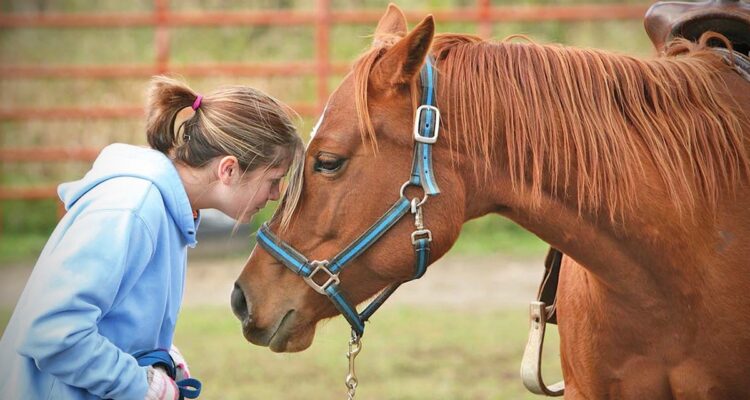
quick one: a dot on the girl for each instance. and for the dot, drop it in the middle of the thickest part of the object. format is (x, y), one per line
(109, 282)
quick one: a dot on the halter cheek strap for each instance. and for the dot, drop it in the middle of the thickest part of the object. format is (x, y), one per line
(426, 129)
(323, 276)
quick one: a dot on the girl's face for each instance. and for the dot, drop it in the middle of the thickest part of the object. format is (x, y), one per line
(243, 195)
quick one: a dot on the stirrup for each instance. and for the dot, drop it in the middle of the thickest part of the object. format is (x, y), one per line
(531, 366)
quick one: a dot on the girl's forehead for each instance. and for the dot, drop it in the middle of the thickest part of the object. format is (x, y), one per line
(280, 170)
(270, 172)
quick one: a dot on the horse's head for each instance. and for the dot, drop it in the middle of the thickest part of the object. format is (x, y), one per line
(353, 171)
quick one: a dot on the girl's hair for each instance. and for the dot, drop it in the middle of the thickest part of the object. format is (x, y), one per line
(237, 120)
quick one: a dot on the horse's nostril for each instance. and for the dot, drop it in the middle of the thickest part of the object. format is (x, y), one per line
(239, 304)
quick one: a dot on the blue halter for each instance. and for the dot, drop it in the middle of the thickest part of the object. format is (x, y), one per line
(426, 127)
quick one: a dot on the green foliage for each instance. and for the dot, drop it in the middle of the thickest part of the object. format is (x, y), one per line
(247, 44)
(4, 317)
(26, 226)
(77, 45)
(36, 217)
(21, 248)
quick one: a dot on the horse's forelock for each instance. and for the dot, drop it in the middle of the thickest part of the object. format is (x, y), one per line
(362, 70)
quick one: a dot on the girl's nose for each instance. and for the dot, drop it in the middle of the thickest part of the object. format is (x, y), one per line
(275, 193)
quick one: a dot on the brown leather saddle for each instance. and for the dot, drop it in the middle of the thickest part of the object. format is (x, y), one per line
(666, 20)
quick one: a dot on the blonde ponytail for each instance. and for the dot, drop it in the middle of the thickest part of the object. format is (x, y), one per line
(166, 97)
(238, 120)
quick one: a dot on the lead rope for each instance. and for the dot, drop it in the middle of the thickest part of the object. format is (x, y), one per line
(355, 345)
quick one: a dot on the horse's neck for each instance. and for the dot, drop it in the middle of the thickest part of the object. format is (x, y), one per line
(647, 236)
(619, 250)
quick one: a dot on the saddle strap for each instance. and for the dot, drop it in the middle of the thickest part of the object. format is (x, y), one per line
(547, 292)
(738, 61)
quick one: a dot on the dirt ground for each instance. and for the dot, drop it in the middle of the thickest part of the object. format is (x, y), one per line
(453, 281)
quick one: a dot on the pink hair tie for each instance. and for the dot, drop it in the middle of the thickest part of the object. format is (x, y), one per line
(197, 102)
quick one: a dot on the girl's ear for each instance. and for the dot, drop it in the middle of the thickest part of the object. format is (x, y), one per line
(228, 170)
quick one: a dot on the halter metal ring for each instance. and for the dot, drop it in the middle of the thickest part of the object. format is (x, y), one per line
(333, 279)
(408, 183)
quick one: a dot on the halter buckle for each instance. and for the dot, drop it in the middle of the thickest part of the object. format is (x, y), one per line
(421, 232)
(418, 136)
(333, 279)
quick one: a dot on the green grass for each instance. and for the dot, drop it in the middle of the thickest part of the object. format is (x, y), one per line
(492, 234)
(21, 248)
(408, 353)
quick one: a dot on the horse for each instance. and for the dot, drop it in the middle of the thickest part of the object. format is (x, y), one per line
(637, 170)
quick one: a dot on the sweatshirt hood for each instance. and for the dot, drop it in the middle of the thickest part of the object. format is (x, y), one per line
(123, 160)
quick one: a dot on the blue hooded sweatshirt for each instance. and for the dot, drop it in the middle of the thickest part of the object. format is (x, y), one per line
(108, 283)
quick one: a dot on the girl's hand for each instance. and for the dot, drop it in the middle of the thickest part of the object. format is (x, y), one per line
(181, 366)
(161, 386)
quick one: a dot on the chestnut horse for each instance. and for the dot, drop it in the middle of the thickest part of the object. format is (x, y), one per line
(638, 170)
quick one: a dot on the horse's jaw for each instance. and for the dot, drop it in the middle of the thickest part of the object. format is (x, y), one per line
(287, 335)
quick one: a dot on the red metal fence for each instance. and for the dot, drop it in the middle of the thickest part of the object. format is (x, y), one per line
(322, 18)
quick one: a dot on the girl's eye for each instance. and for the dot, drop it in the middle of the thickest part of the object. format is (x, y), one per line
(328, 164)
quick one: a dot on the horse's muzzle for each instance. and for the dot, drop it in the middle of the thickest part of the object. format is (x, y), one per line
(239, 305)
(275, 336)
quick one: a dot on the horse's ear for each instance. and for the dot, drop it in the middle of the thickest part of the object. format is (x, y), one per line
(402, 62)
(392, 25)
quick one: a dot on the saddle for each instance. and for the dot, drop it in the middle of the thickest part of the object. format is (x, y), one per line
(667, 20)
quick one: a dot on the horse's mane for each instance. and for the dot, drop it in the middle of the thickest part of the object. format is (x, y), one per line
(586, 116)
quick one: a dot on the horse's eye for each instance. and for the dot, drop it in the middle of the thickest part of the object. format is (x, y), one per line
(328, 163)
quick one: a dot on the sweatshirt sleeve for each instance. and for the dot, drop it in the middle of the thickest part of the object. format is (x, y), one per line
(75, 284)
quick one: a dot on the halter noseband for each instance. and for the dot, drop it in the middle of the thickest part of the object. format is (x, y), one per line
(426, 126)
